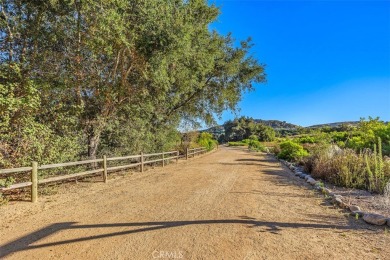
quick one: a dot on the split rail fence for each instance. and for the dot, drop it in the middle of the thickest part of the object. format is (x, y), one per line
(139, 160)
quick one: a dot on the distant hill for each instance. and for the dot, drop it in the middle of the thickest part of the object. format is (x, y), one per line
(276, 124)
(337, 124)
(282, 126)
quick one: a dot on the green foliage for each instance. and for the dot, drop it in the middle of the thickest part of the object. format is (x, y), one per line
(306, 140)
(256, 146)
(265, 133)
(243, 128)
(366, 135)
(4, 183)
(206, 140)
(375, 172)
(237, 144)
(24, 137)
(291, 151)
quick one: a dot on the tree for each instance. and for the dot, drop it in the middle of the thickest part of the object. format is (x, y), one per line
(244, 127)
(265, 133)
(136, 70)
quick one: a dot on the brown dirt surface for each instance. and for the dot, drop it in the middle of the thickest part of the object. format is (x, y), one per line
(367, 201)
(229, 204)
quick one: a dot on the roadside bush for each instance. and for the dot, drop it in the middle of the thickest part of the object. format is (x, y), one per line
(245, 141)
(276, 149)
(237, 144)
(291, 151)
(206, 140)
(255, 145)
(306, 140)
(344, 167)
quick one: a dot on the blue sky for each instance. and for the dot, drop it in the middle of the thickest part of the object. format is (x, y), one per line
(326, 61)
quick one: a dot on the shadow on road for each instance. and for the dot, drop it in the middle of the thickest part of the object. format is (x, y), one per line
(25, 243)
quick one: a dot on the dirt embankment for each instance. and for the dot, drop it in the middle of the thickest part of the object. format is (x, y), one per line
(231, 204)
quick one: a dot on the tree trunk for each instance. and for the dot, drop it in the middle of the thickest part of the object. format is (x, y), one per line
(93, 143)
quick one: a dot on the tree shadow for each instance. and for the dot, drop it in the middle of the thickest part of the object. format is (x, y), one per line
(271, 194)
(25, 242)
(242, 163)
(251, 160)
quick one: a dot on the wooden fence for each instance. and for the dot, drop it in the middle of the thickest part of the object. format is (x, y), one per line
(137, 161)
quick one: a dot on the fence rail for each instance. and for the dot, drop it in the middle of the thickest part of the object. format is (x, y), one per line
(57, 165)
(15, 170)
(104, 169)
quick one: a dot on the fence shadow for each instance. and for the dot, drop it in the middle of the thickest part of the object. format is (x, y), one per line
(25, 242)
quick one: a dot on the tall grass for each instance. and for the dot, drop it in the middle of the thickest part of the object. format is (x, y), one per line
(364, 170)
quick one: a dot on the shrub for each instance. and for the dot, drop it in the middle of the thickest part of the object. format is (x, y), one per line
(4, 183)
(276, 149)
(386, 196)
(256, 146)
(291, 151)
(306, 140)
(206, 140)
(237, 144)
(345, 167)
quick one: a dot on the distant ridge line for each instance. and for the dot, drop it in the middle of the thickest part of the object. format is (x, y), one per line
(335, 124)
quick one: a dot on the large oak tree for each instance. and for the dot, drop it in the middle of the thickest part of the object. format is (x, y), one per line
(89, 69)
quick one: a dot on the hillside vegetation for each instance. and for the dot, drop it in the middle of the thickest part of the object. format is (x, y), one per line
(349, 155)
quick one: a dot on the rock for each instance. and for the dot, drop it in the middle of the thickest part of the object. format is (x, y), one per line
(358, 212)
(302, 176)
(307, 176)
(343, 205)
(375, 219)
(338, 201)
(319, 188)
(333, 150)
(354, 208)
(335, 196)
(311, 181)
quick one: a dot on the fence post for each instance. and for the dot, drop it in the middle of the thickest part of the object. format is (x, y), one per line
(105, 169)
(187, 153)
(177, 157)
(163, 159)
(34, 182)
(142, 162)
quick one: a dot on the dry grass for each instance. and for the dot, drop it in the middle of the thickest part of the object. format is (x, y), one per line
(385, 200)
(349, 169)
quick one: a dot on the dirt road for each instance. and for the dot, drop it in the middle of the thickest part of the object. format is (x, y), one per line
(230, 204)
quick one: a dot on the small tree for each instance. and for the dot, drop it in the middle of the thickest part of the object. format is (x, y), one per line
(206, 140)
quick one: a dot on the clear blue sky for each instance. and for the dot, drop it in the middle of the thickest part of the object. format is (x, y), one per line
(326, 61)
